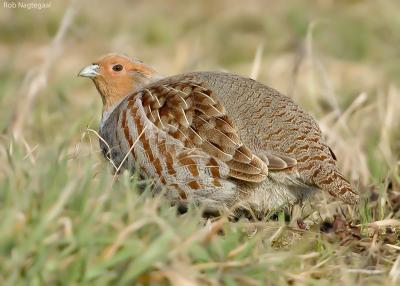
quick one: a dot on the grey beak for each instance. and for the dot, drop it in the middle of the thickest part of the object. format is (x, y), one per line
(90, 71)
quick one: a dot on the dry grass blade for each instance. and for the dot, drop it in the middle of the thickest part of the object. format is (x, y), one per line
(122, 236)
(38, 81)
(394, 273)
(56, 209)
(255, 69)
(105, 142)
(177, 278)
(130, 150)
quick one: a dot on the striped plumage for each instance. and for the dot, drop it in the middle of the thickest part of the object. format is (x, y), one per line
(216, 138)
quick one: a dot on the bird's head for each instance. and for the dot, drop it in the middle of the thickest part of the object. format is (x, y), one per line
(117, 76)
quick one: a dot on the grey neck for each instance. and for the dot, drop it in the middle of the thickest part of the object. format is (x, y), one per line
(106, 114)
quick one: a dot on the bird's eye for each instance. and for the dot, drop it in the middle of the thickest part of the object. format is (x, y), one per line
(117, 68)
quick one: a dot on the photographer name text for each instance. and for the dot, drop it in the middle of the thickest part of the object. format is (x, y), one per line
(26, 5)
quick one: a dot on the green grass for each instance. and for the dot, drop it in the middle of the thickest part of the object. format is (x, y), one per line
(67, 220)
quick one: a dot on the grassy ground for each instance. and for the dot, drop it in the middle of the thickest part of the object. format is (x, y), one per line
(66, 220)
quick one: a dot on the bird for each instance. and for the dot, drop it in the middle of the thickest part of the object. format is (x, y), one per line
(215, 139)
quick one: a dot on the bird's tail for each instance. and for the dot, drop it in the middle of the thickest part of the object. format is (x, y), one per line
(333, 182)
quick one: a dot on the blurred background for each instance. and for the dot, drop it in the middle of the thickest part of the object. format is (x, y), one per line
(66, 220)
(340, 60)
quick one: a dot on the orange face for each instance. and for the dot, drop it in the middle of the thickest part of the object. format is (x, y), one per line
(117, 76)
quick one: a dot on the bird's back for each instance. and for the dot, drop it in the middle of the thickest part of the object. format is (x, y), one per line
(266, 122)
(269, 121)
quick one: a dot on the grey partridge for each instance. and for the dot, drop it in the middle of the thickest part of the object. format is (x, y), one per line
(213, 138)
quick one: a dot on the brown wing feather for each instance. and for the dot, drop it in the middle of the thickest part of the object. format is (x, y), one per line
(192, 113)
